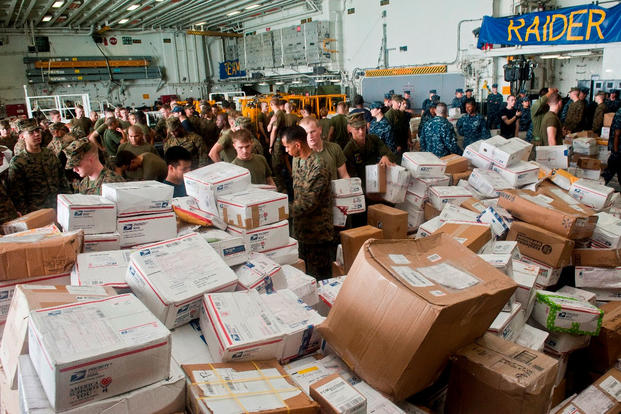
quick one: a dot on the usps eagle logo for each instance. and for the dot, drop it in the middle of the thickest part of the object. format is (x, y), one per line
(105, 383)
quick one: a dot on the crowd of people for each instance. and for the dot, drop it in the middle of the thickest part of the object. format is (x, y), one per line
(296, 151)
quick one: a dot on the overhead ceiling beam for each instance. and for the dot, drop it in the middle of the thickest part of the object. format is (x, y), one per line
(26, 14)
(217, 19)
(133, 14)
(9, 13)
(149, 16)
(110, 13)
(19, 12)
(83, 16)
(45, 10)
(213, 33)
(187, 8)
(60, 11)
(214, 9)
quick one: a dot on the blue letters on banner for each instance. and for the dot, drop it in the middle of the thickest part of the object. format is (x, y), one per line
(572, 25)
(231, 69)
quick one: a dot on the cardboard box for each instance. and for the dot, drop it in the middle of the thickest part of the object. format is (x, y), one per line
(7, 288)
(131, 349)
(591, 194)
(344, 206)
(232, 249)
(415, 218)
(353, 239)
(597, 257)
(503, 154)
(266, 382)
(549, 212)
(502, 262)
(492, 372)
(588, 163)
(472, 236)
(38, 254)
(420, 186)
(287, 254)
(598, 277)
(252, 209)
(507, 325)
(430, 211)
(347, 187)
(487, 182)
(553, 156)
(601, 397)
(525, 276)
(605, 349)
(474, 154)
(207, 183)
(303, 285)
(328, 290)
(375, 178)
(589, 175)
(260, 273)
(496, 217)
(427, 228)
(526, 147)
(33, 220)
(558, 312)
(29, 297)
(531, 337)
(548, 275)
(503, 247)
(171, 277)
(583, 295)
(607, 232)
(337, 270)
(404, 296)
(148, 228)
(412, 200)
(455, 164)
(102, 242)
(336, 396)
(585, 146)
(139, 197)
(101, 269)
(393, 222)
(263, 238)
(519, 174)
(475, 205)
(455, 177)
(91, 213)
(541, 244)
(440, 196)
(188, 211)
(423, 164)
(162, 397)
(397, 181)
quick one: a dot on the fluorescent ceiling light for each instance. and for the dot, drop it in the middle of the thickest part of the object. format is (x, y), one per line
(296, 82)
(133, 7)
(123, 21)
(200, 24)
(564, 57)
(582, 53)
(263, 84)
(335, 81)
(549, 56)
(279, 83)
(58, 4)
(47, 18)
(252, 6)
(233, 13)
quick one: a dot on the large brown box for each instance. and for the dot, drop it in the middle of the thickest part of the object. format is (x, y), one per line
(33, 220)
(430, 211)
(605, 349)
(608, 117)
(601, 397)
(588, 163)
(197, 402)
(540, 244)
(401, 310)
(473, 236)
(455, 163)
(392, 221)
(597, 257)
(547, 210)
(495, 375)
(353, 239)
(464, 175)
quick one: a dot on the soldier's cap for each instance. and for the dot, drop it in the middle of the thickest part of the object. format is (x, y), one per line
(375, 105)
(614, 91)
(243, 122)
(75, 152)
(434, 104)
(392, 91)
(356, 120)
(468, 90)
(574, 90)
(387, 95)
(585, 90)
(406, 92)
(173, 123)
(188, 106)
(28, 125)
(494, 85)
(433, 91)
(78, 132)
(435, 98)
(56, 126)
(459, 90)
(177, 109)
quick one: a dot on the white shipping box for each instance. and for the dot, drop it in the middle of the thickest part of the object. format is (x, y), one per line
(429, 227)
(412, 200)
(548, 275)
(502, 262)
(171, 277)
(583, 295)
(591, 175)
(139, 197)
(374, 177)
(416, 217)
(607, 233)
(525, 276)
(504, 154)
(440, 196)
(605, 134)
(504, 247)
(532, 338)
(585, 146)
(303, 285)
(598, 277)
(207, 183)
(476, 157)
(101, 269)
(232, 249)
(102, 242)
(420, 186)
(497, 218)
(254, 208)
(423, 164)
(519, 174)
(328, 290)
(591, 194)
(189, 345)
(558, 312)
(91, 213)
(526, 147)
(149, 228)
(284, 255)
(163, 397)
(562, 343)
(263, 238)
(397, 181)
(122, 347)
(507, 325)
(187, 208)
(238, 326)
(344, 206)
(453, 213)
(487, 182)
(553, 156)
(347, 187)
(260, 273)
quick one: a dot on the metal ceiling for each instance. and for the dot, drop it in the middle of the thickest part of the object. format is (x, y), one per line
(221, 15)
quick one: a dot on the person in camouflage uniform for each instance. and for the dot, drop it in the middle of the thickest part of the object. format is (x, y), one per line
(575, 113)
(526, 122)
(311, 209)
(459, 95)
(7, 208)
(438, 134)
(614, 145)
(381, 127)
(600, 110)
(58, 130)
(81, 120)
(36, 175)
(82, 157)
(393, 116)
(8, 138)
(178, 136)
(472, 125)
(494, 105)
(613, 103)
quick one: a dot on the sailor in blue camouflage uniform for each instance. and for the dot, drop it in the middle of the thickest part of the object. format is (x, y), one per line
(427, 102)
(472, 126)
(614, 145)
(381, 127)
(520, 98)
(494, 105)
(613, 102)
(438, 135)
(457, 100)
(526, 122)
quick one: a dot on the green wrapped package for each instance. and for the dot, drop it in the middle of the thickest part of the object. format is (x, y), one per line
(559, 312)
